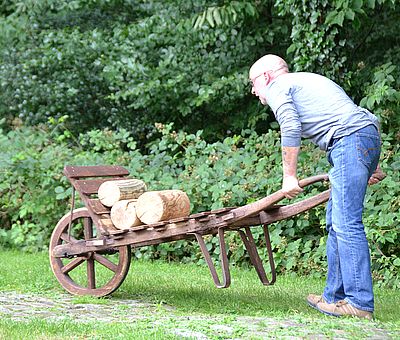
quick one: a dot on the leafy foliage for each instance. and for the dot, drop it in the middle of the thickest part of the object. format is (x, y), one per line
(127, 64)
(92, 77)
(148, 66)
(32, 184)
(233, 172)
(383, 95)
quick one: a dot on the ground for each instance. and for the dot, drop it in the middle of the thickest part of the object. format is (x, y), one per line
(23, 307)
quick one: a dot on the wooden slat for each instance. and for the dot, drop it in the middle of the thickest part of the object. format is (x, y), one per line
(107, 225)
(72, 171)
(97, 207)
(222, 210)
(204, 213)
(139, 227)
(157, 225)
(178, 219)
(119, 231)
(207, 218)
(91, 186)
(160, 227)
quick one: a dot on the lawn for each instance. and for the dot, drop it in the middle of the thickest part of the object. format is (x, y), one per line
(183, 297)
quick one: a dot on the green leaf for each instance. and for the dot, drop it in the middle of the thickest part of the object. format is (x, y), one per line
(370, 102)
(335, 17)
(357, 4)
(59, 190)
(363, 101)
(200, 20)
(356, 23)
(210, 17)
(291, 48)
(250, 9)
(217, 16)
(395, 166)
(371, 3)
(350, 14)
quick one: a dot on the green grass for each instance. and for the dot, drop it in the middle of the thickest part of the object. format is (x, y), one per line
(189, 290)
(41, 329)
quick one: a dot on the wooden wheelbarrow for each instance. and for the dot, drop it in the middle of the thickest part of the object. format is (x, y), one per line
(89, 256)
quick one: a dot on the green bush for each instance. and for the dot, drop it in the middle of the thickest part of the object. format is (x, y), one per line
(233, 172)
(128, 64)
(34, 192)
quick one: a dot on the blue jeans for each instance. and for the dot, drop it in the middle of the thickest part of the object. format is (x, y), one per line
(353, 158)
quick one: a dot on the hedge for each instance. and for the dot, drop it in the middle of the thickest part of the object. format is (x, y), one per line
(232, 172)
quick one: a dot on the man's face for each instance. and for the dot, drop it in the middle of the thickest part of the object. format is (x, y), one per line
(263, 71)
(259, 82)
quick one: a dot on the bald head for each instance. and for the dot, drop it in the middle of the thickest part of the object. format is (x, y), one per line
(263, 71)
(269, 62)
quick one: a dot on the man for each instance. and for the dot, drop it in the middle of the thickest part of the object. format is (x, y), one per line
(312, 106)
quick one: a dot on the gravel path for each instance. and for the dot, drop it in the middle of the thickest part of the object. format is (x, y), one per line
(21, 307)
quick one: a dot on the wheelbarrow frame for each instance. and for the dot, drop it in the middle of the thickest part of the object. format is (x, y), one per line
(86, 180)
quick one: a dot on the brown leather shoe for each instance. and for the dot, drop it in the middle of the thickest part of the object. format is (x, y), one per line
(313, 299)
(342, 308)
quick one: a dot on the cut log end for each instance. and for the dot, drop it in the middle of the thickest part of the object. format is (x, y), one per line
(111, 192)
(156, 206)
(123, 214)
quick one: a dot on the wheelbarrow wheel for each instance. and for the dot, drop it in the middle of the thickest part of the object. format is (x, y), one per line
(95, 273)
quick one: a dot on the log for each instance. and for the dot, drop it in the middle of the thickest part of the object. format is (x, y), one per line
(156, 206)
(111, 192)
(123, 214)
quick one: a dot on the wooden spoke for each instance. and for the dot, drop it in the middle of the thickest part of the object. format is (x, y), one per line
(87, 228)
(72, 265)
(91, 274)
(97, 280)
(106, 262)
(65, 238)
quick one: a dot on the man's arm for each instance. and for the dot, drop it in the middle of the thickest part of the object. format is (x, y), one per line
(290, 185)
(377, 176)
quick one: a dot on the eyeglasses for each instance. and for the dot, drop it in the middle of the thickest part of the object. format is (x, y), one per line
(251, 81)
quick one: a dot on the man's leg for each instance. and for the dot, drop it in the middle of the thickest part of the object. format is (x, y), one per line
(334, 284)
(354, 158)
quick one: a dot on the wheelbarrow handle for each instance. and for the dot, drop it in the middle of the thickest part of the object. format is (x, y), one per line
(262, 204)
(313, 179)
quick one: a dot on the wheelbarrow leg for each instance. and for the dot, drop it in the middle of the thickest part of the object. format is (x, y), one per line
(226, 275)
(248, 240)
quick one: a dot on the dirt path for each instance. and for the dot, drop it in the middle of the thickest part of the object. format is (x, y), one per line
(21, 307)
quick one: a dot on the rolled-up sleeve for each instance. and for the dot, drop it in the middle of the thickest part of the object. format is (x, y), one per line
(281, 103)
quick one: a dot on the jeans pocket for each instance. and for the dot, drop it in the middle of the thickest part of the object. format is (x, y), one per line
(368, 148)
(332, 144)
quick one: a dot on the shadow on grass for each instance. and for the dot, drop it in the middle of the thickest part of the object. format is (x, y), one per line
(190, 288)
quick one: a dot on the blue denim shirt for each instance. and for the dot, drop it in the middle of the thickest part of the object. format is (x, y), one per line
(312, 106)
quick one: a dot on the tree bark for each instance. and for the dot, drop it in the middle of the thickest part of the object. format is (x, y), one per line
(156, 206)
